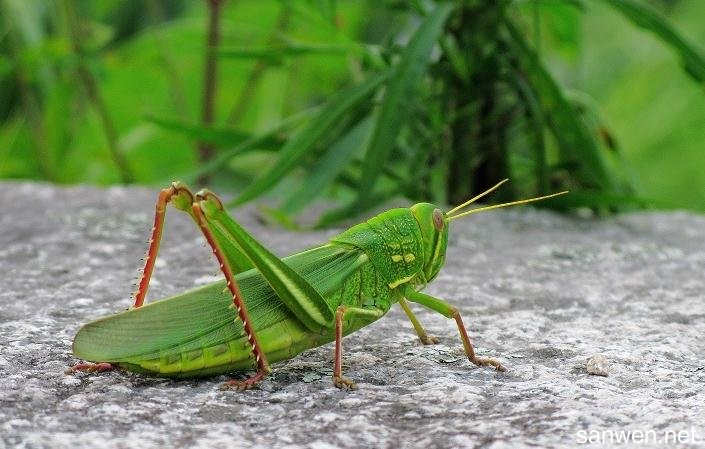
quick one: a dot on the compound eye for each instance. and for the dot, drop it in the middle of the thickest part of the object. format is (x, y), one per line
(438, 219)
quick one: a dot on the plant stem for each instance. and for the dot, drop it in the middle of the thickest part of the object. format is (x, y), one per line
(171, 72)
(96, 98)
(536, 24)
(37, 126)
(205, 151)
(250, 86)
(94, 95)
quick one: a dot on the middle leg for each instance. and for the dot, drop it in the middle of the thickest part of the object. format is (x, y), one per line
(341, 314)
(420, 331)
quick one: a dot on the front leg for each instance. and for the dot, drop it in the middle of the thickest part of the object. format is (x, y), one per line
(449, 311)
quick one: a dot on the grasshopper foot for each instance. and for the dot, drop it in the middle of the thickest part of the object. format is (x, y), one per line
(237, 385)
(343, 383)
(429, 340)
(90, 368)
(242, 385)
(488, 362)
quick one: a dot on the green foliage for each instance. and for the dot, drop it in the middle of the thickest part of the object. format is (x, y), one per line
(358, 102)
(302, 142)
(646, 17)
(402, 84)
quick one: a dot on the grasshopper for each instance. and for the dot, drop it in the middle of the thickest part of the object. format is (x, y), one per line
(268, 309)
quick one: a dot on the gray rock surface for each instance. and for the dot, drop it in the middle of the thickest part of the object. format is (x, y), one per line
(539, 291)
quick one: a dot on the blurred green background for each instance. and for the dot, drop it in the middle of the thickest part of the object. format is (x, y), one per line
(114, 92)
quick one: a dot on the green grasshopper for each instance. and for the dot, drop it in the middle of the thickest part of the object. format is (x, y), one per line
(269, 309)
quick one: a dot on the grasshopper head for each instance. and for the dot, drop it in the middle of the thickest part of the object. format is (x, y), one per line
(434, 226)
(434, 231)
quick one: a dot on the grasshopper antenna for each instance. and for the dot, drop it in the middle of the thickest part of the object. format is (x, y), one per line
(512, 203)
(477, 197)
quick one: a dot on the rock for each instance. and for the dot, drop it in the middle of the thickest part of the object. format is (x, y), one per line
(538, 291)
(597, 365)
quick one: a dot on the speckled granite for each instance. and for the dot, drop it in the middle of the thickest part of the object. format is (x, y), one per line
(541, 292)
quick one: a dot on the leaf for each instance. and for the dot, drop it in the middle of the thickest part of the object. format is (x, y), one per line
(537, 123)
(353, 208)
(272, 216)
(252, 143)
(562, 22)
(300, 144)
(275, 54)
(95, 35)
(590, 111)
(219, 136)
(646, 17)
(6, 67)
(393, 113)
(325, 170)
(573, 136)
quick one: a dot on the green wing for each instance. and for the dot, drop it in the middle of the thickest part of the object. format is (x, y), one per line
(304, 301)
(204, 316)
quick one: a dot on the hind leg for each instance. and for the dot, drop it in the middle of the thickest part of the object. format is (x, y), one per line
(182, 198)
(260, 358)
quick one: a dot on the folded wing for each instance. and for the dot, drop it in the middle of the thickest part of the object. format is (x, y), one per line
(204, 316)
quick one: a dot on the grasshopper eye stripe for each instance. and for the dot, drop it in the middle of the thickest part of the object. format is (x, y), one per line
(269, 309)
(438, 219)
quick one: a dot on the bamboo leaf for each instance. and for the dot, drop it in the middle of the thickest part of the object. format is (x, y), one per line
(393, 114)
(299, 145)
(646, 17)
(329, 166)
(573, 136)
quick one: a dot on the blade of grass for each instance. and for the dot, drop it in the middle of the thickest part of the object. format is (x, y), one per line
(306, 13)
(249, 87)
(325, 170)
(353, 208)
(205, 151)
(218, 136)
(300, 144)
(95, 94)
(392, 114)
(250, 144)
(646, 17)
(574, 139)
(535, 116)
(275, 54)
